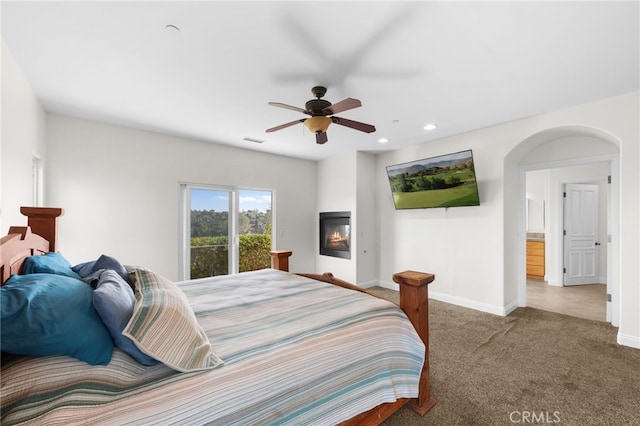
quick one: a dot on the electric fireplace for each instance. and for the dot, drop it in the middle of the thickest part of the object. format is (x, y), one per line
(335, 234)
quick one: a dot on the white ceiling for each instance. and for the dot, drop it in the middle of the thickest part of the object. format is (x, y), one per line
(462, 65)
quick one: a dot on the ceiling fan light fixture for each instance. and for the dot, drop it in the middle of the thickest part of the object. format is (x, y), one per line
(317, 124)
(321, 115)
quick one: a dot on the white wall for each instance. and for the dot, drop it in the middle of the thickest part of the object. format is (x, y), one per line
(119, 189)
(462, 246)
(346, 182)
(615, 119)
(366, 221)
(336, 193)
(476, 253)
(22, 137)
(537, 200)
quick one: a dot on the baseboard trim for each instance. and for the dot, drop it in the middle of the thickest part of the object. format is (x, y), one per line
(376, 283)
(627, 340)
(472, 304)
(454, 300)
(560, 283)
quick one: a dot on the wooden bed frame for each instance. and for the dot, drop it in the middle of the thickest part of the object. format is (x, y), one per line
(40, 237)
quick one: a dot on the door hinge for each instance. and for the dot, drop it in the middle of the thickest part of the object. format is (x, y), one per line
(564, 270)
(564, 232)
(564, 194)
(608, 297)
(609, 179)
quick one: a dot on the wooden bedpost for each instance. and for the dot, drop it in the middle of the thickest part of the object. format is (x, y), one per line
(43, 221)
(414, 301)
(280, 259)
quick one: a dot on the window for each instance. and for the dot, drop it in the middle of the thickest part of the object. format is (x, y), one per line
(224, 230)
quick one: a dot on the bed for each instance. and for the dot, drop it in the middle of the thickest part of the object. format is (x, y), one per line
(277, 348)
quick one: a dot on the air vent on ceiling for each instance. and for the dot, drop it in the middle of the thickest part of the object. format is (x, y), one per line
(254, 140)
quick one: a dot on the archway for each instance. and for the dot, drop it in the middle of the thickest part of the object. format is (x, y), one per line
(556, 147)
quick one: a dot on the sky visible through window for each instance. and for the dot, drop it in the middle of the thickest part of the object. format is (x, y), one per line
(205, 199)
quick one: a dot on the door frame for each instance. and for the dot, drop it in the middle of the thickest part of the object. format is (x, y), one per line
(184, 204)
(613, 228)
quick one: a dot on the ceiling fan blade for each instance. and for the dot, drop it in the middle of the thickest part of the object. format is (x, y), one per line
(343, 105)
(283, 126)
(321, 137)
(363, 127)
(291, 107)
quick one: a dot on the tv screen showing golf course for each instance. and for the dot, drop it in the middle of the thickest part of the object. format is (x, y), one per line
(444, 181)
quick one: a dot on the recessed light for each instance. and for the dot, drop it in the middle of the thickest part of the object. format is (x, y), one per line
(430, 126)
(383, 140)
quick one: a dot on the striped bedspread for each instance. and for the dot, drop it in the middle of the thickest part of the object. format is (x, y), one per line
(296, 351)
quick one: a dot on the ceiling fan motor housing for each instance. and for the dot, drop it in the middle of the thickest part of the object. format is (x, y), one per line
(315, 106)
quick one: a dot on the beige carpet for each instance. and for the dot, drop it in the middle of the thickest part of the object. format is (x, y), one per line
(530, 367)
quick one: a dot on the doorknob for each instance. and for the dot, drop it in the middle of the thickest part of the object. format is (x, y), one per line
(597, 243)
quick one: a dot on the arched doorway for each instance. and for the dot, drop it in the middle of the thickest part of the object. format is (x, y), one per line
(557, 147)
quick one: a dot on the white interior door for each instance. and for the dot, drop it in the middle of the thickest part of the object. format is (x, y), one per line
(581, 234)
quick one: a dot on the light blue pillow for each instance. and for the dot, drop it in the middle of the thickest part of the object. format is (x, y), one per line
(114, 301)
(47, 314)
(50, 263)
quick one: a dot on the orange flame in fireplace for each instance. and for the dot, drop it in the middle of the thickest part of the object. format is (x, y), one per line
(335, 237)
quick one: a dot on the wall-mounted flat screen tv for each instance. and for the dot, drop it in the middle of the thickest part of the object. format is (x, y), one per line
(443, 181)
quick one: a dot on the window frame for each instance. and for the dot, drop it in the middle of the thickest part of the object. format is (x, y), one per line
(184, 218)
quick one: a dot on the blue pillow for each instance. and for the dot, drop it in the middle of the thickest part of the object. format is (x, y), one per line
(49, 263)
(84, 269)
(114, 301)
(108, 262)
(47, 314)
(104, 262)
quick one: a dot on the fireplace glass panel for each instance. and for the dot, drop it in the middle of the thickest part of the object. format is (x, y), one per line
(335, 234)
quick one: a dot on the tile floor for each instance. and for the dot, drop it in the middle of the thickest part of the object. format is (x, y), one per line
(583, 301)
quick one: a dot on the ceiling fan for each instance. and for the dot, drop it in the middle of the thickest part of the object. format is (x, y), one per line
(321, 112)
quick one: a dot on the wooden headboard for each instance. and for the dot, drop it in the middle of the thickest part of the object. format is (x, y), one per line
(38, 237)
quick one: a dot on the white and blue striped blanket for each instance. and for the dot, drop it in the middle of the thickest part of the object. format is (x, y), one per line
(296, 351)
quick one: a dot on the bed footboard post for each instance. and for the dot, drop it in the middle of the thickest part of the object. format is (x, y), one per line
(414, 301)
(280, 259)
(43, 221)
